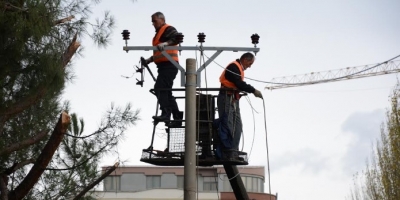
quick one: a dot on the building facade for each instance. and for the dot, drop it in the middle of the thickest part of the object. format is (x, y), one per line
(149, 182)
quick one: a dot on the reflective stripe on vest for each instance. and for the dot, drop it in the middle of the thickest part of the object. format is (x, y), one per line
(157, 55)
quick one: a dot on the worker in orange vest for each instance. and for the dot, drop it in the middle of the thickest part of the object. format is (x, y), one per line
(228, 101)
(165, 36)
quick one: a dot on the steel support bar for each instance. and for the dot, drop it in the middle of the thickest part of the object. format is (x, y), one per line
(216, 54)
(193, 48)
(176, 64)
(236, 182)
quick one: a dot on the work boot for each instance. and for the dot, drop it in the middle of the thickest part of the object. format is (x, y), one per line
(178, 116)
(165, 115)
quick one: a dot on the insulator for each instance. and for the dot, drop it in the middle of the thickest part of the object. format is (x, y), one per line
(125, 34)
(179, 37)
(201, 37)
(255, 38)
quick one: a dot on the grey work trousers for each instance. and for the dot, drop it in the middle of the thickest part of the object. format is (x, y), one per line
(228, 104)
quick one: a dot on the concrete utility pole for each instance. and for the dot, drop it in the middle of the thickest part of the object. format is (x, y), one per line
(190, 183)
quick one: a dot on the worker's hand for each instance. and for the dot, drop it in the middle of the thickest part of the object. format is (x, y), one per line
(161, 46)
(258, 94)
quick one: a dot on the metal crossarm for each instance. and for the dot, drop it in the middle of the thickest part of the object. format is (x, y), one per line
(218, 50)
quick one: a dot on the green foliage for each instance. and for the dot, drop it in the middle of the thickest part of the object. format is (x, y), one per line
(381, 179)
(75, 165)
(34, 68)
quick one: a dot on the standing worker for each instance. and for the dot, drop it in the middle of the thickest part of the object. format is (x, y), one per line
(228, 101)
(165, 36)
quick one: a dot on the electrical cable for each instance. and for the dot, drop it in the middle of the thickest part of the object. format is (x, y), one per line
(128, 77)
(254, 127)
(312, 82)
(266, 145)
(208, 111)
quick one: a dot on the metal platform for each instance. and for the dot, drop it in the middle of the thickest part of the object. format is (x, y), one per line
(209, 150)
(163, 158)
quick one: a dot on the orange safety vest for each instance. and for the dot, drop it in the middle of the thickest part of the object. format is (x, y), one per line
(157, 55)
(227, 84)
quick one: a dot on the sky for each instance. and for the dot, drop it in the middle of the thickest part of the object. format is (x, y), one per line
(319, 136)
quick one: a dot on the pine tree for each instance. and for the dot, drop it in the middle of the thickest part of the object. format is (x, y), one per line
(39, 157)
(381, 179)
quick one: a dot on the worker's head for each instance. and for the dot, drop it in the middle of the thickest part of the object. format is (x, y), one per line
(247, 59)
(158, 20)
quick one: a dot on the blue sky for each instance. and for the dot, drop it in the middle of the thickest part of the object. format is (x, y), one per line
(319, 136)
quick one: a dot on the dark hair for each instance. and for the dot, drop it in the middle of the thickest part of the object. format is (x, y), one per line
(159, 15)
(247, 56)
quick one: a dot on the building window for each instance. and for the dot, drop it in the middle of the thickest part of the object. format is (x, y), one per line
(210, 183)
(112, 183)
(255, 184)
(252, 184)
(249, 184)
(179, 182)
(226, 184)
(153, 182)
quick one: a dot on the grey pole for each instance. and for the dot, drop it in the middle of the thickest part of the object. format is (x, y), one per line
(190, 131)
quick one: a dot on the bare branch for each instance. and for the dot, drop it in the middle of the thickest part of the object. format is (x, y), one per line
(10, 7)
(73, 46)
(43, 160)
(24, 144)
(60, 21)
(3, 187)
(18, 166)
(89, 187)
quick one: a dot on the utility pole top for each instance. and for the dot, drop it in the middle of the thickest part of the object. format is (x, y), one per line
(200, 48)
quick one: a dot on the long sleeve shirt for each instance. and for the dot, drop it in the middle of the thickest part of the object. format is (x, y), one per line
(236, 79)
(169, 35)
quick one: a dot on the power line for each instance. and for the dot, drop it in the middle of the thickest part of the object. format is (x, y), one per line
(312, 82)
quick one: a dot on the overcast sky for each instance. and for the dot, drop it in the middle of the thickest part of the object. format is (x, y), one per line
(319, 136)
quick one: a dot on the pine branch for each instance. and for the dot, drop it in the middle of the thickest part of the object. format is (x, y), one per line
(73, 46)
(43, 160)
(80, 164)
(10, 7)
(23, 144)
(18, 166)
(20, 106)
(90, 186)
(60, 21)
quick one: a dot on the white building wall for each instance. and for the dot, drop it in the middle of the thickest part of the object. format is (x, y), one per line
(155, 194)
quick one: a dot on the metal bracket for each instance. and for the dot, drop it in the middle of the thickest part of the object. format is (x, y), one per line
(193, 48)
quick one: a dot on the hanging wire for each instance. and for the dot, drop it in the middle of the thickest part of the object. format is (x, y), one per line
(254, 127)
(312, 82)
(266, 145)
(128, 77)
(208, 111)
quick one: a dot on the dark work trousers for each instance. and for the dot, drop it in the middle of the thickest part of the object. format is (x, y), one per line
(165, 80)
(228, 104)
